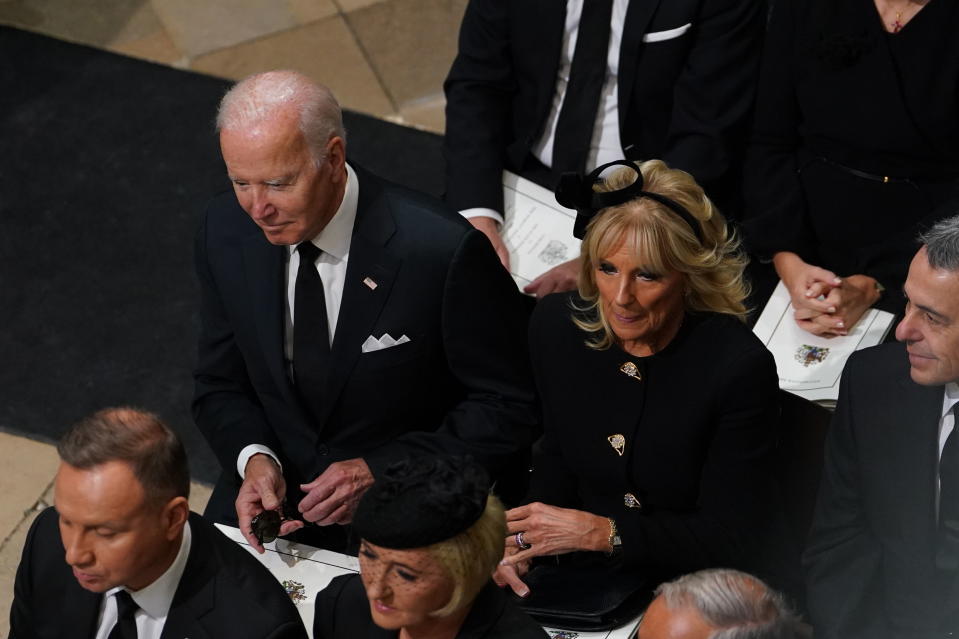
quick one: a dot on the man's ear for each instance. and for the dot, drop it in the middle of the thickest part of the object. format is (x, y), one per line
(336, 156)
(173, 517)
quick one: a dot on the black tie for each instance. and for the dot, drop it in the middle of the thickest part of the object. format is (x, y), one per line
(577, 117)
(311, 333)
(947, 552)
(126, 626)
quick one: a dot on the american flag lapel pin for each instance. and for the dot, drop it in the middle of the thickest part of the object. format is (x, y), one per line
(369, 282)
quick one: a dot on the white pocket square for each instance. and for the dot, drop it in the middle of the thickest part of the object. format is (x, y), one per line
(668, 34)
(372, 344)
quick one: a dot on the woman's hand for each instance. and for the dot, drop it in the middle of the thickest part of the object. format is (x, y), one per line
(511, 575)
(550, 530)
(844, 300)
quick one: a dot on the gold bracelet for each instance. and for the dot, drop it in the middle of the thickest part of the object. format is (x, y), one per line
(615, 542)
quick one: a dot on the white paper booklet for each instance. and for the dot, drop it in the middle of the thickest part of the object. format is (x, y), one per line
(304, 571)
(538, 231)
(810, 366)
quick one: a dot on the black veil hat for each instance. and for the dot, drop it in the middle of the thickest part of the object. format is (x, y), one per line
(575, 191)
(418, 502)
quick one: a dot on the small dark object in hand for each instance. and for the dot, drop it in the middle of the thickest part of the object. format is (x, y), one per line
(266, 526)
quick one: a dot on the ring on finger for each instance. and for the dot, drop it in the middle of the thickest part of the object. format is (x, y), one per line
(521, 542)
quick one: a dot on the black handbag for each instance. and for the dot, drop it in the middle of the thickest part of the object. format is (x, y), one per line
(585, 592)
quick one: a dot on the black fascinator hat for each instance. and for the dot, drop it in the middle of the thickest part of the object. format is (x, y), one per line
(418, 502)
(575, 191)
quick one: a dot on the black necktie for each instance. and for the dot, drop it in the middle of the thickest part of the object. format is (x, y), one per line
(311, 333)
(577, 116)
(126, 626)
(947, 551)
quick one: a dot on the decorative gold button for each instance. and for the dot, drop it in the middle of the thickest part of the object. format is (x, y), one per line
(618, 442)
(630, 501)
(631, 370)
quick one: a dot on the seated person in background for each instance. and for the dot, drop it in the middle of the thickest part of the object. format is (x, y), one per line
(130, 560)
(431, 536)
(542, 88)
(659, 405)
(719, 603)
(882, 559)
(851, 153)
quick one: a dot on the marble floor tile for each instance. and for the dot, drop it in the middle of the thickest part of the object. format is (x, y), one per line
(427, 113)
(410, 43)
(144, 36)
(324, 50)
(202, 27)
(94, 22)
(28, 470)
(352, 5)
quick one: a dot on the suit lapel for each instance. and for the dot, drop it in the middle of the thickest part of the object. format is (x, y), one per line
(370, 274)
(263, 265)
(638, 15)
(543, 52)
(195, 594)
(917, 446)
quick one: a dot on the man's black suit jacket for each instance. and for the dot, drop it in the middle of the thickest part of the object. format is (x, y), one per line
(685, 100)
(224, 592)
(460, 386)
(870, 558)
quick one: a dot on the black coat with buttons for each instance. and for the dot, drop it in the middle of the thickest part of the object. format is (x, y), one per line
(692, 488)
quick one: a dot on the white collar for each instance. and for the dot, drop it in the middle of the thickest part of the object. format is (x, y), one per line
(156, 598)
(336, 236)
(950, 397)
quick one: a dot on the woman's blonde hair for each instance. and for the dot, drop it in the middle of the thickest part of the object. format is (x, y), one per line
(662, 241)
(470, 557)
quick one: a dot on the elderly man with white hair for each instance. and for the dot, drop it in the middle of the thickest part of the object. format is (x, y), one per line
(346, 322)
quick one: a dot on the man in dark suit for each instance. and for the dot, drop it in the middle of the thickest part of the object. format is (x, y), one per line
(122, 557)
(883, 552)
(346, 322)
(675, 81)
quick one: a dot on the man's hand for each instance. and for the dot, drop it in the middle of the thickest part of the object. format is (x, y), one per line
(550, 530)
(332, 497)
(263, 488)
(489, 228)
(555, 280)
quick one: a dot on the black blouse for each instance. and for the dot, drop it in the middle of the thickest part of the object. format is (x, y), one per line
(840, 97)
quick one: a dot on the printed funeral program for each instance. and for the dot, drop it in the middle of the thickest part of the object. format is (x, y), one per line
(538, 231)
(810, 366)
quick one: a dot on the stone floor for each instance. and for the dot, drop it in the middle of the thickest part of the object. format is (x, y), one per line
(386, 58)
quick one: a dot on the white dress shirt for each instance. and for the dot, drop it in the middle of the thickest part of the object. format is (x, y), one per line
(154, 600)
(606, 145)
(334, 244)
(947, 422)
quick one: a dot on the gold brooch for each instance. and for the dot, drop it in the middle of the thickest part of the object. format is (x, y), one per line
(631, 370)
(618, 442)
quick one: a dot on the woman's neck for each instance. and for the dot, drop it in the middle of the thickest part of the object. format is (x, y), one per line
(437, 627)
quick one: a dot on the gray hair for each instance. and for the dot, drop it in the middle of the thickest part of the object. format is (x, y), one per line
(261, 97)
(154, 452)
(738, 605)
(942, 244)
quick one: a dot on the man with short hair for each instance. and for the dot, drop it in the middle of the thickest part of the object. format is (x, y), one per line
(883, 552)
(719, 604)
(122, 557)
(346, 322)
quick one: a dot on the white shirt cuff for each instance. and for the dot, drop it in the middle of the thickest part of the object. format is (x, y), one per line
(249, 451)
(483, 212)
